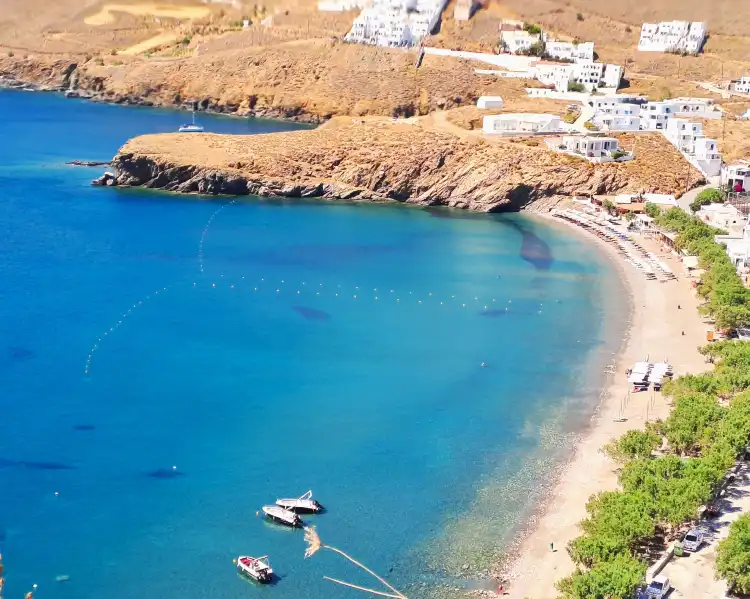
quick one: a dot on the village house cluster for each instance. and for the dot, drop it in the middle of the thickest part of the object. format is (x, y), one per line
(680, 37)
(562, 65)
(395, 23)
(633, 113)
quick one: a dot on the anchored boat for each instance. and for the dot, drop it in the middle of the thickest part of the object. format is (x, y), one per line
(257, 568)
(282, 515)
(302, 505)
(191, 127)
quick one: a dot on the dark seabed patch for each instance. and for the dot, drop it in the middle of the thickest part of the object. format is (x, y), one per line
(16, 352)
(311, 313)
(6, 463)
(83, 427)
(534, 249)
(164, 473)
(46, 465)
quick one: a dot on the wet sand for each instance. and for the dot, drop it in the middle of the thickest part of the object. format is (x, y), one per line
(656, 331)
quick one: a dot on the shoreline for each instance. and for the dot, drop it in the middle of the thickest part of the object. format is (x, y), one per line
(20, 85)
(531, 568)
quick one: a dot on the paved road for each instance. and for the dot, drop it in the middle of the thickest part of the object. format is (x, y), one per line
(692, 575)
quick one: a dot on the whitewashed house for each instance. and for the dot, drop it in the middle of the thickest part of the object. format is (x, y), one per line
(683, 134)
(737, 173)
(688, 138)
(463, 10)
(620, 117)
(608, 104)
(741, 85)
(521, 124)
(594, 149)
(518, 41)
(341, 5)
(591, 75)
(722, 216)
(701, 108)
(738, 247)
(654, 115)
(673, 36)
(581, 52)
(486, 102)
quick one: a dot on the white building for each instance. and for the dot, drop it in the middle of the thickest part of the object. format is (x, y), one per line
(490, 102)
(463, 10)
(395, 23)
(570, 51)
(741, 85)
(518, 41)
(738, 247)
(608, 104)
(722, 216)
(701, 108)
(591, 75)
(620, 117)
(341, 5)
(736, 173)
(595, 149)
(688, 138)
(654, 115)
(672, 36)
(521, 124)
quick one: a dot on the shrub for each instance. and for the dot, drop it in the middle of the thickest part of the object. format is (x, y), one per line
(618, 154)
(532, 28)
(536, 49)
(10, 54)
(733, 556)
(579, 16)
(628, 29)
(711, 196)
(113, 52)
(574, 86)
(652, 210)
(633, 444)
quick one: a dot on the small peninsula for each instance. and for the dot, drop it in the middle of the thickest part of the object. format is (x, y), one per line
(405, 161)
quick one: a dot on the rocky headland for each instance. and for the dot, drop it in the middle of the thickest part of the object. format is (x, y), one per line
(386, 161)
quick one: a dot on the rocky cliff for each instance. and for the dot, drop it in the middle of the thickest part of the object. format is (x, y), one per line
(309, 80)
(385, 161)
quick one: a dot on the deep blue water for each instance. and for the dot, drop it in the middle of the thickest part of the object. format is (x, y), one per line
(291, 345)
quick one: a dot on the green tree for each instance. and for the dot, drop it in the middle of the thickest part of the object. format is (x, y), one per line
(693, 422)
(574, 86)
(733, 556)
(630, 216)
(532, 28)
(615, 579)
(712, 194)
(536, 49)
(652, 209)
(609, 206)
(633, 444)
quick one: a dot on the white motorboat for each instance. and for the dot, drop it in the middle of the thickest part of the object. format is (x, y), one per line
(302, 505)
(282, 515)
(191, 127)
(257, 568)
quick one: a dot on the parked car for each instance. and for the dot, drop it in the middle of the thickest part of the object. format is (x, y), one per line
(693, 540)
(658, 587)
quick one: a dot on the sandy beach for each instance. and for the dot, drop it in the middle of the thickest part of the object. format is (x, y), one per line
(656, 330)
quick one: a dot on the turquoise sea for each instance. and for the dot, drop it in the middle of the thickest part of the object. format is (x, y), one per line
(168, 364)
